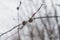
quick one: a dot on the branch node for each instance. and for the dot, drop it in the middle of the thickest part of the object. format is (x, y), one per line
(30, 20)
(24, 23)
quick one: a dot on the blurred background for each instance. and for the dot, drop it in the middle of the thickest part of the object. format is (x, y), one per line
(45, 23)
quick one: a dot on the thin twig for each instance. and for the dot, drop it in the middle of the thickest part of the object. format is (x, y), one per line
(9, 30)
(46, 17)
(37, 10)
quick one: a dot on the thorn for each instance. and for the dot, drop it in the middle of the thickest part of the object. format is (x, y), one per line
(24, 22)
(30, 20)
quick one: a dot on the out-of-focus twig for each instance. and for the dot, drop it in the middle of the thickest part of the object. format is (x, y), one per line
(40, 33)
(31, 35)
(49, 31)
(58, 5)
(55, 11)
